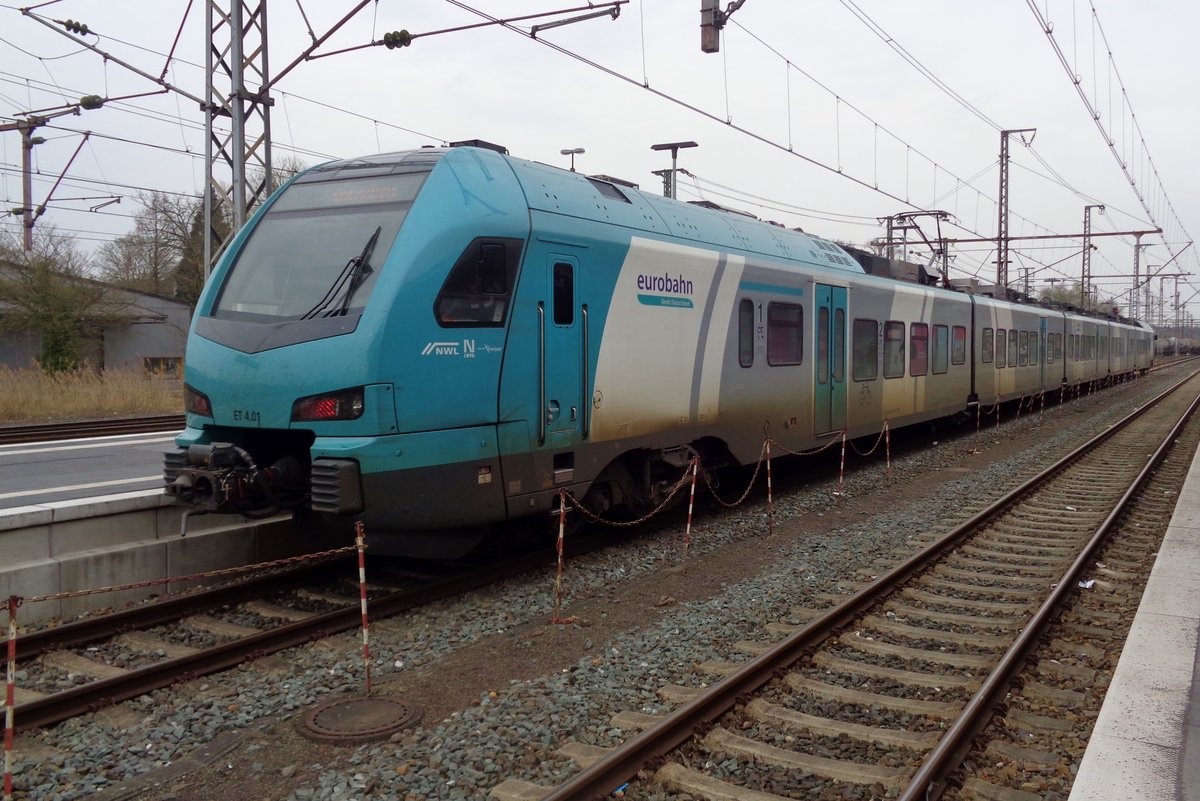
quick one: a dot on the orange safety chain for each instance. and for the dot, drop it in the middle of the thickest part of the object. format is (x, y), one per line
(229, 571)
(763, 455)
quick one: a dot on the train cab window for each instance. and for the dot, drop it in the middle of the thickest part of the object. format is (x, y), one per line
(893, 349)
(1012, 347)
(941, 349)
(985, 346)
(1000, 347)
(1023, 349)
(958, 345)
(477, 290)
(785, 334)
(746, 332)
(866, 350)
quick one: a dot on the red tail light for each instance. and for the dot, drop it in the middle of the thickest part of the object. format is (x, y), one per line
(196, 402)
(346, 404)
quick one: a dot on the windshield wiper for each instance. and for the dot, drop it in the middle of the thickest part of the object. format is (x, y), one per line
(350, 277)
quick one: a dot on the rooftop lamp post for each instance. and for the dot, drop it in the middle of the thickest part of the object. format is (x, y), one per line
(674, 147)
(572, 151)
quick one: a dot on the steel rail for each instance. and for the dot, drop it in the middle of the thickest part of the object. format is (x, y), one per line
(90, 428)
(57, 707)
(615, 769)
(166, 610)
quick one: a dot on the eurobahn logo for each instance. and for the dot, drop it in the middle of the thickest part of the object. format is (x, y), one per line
(466, 349)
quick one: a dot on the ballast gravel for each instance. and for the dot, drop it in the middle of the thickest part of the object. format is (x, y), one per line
(514, 731)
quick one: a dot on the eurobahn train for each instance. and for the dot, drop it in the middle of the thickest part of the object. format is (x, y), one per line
(436, 340)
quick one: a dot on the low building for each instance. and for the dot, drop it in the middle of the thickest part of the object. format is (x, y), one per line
(141, 330)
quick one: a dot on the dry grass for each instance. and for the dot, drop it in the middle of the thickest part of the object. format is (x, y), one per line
(33, 396)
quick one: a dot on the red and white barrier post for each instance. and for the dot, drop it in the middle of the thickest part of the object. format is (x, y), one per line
(10, 696)
(687, 535)
(842, 467)
(770, 496)
(887, 447)
(562, 527)
(360, 542)
(691, 504)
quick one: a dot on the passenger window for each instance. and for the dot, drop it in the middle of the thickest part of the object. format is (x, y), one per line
(985, 346)
(918, 358)
(1000, 340)
(941, 349)
(1023, 349)
(893, 349)
(866, 350)
(958, 345)
(476, 292)
(1012, 347)
(746, 332)
(785, 334)
(1033, 347)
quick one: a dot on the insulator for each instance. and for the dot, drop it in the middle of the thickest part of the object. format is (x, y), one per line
(76, 27)
(397, 39)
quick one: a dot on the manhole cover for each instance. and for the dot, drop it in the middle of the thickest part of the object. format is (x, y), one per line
(358, 719)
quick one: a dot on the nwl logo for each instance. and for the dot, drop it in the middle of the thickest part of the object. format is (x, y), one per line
(450, 349)
(440, 349)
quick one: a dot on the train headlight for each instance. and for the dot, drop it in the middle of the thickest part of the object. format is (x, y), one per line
(346, 404)
(196, 402)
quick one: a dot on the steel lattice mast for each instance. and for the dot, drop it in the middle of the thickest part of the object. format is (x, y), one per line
(236, 54)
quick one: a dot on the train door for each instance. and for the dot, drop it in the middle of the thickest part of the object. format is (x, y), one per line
(829, 403)
(563, 325)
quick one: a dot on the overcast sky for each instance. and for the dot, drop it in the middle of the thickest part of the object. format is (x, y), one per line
(800, 90)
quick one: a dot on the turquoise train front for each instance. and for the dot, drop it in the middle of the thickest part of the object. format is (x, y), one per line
(417, 341)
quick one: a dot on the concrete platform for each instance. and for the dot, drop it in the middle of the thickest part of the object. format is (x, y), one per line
(121, 539)
(1146, 743)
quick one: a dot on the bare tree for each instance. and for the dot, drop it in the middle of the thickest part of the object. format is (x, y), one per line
(144, 259)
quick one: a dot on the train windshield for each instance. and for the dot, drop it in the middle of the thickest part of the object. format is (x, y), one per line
(318, 250)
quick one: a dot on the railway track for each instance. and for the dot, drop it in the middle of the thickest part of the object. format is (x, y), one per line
(90, 663)
(882, 693)
(43, 432)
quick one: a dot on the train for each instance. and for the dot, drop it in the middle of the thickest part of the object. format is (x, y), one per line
(435, 341)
